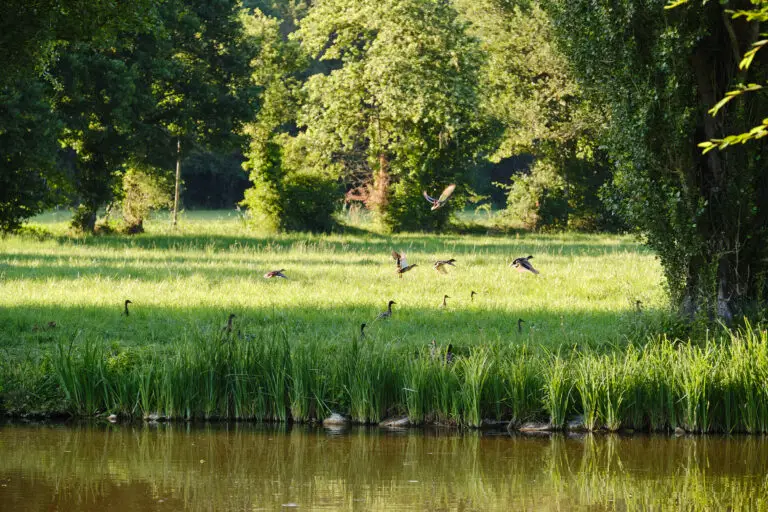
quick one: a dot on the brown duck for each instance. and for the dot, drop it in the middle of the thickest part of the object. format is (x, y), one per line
(402, 264)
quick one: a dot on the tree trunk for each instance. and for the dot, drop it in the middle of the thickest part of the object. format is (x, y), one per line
(178, 183)
(377, 199)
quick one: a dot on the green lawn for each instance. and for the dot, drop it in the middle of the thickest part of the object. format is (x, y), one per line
(185, 283)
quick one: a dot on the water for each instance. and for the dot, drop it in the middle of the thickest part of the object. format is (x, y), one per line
(243, 467)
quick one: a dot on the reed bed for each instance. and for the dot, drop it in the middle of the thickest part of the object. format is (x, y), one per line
(716, 386)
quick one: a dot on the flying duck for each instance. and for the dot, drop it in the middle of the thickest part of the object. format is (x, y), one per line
(275, 273)
(440, 265)
(440, 201)
(523, 265)
(402, 265)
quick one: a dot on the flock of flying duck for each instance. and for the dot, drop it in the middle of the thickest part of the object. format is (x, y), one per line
(522, 264)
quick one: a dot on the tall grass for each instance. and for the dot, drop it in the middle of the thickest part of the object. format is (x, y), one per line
(712, 387)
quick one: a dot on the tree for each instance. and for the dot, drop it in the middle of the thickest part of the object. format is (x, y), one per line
(32, 32)
(29, 130)
(528, 87)
(400, 102)
(148, 100)
(293, 187)
(658, 72)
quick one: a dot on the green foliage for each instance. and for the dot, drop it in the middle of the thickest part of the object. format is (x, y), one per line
(528, 87)
(28, 175)
(143, 192)
(704, 216)
(400, 101)
(758, 13)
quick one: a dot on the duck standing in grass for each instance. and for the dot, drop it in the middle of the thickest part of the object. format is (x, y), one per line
(227, 329)
(524, 265)
(125, 311)
(402, 265)
(388, 313)
(440, 201)
(362, 330)
(441, 264)
(449, 354)
(472, 296)
(275, 273)
(445, 304)
(520, 323)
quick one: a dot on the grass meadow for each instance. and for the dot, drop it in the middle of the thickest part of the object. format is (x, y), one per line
(296, 353)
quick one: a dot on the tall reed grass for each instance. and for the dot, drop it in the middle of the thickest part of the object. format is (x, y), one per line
(709, 387)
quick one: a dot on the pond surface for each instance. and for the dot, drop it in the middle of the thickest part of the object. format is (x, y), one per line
(244, 467)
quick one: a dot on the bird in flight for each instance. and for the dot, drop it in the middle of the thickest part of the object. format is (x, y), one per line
(275, 273)
(440, 201)
(523, 265)
(402, 264)
(440, 265)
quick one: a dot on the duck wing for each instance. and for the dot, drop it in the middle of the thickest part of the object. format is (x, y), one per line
(447, 193)
(429, 198)
(523, 262)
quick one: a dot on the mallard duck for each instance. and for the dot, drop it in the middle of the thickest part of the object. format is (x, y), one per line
(523, 265)
(445, 304)
(228, 328)
(472, 296)
(440, 201)
(440, 265)
(520, 323)
(402, 265)
(125, 311)
(388, 313)
(362, 330)
(275, 273)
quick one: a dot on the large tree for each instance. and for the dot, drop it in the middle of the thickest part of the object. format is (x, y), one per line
(400, 102)
(149, 99)
(659, 72)
(528, 87)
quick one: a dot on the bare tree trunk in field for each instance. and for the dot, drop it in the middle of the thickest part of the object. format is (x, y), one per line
(378, 196)
(178, 183)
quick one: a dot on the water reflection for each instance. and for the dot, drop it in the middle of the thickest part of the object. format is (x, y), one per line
(242, 467)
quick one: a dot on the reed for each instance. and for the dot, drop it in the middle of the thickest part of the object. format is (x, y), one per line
(716, 386)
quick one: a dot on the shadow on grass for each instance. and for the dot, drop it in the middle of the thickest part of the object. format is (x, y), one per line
(27, 328)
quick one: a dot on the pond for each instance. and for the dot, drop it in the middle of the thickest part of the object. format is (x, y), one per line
(220, 467)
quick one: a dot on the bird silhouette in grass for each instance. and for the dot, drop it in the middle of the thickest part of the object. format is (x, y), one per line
(445, 303)
(125, 310)
(388, 313)
(227, 329)
(472, 296)
(362, 330)
(440, 201)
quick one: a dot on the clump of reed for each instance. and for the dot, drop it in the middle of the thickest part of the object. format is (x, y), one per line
(714, 386)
